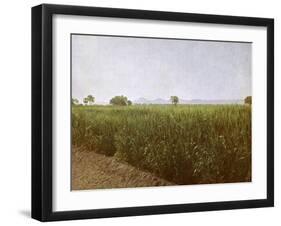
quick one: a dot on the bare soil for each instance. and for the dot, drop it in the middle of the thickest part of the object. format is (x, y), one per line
(91, 170)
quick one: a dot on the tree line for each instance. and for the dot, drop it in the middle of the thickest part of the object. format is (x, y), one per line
(124, 101)
(117, 100)
(90, 100)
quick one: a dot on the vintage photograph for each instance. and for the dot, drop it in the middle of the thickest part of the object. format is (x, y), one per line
(159, 111)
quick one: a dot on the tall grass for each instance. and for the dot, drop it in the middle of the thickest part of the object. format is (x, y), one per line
(185, 144)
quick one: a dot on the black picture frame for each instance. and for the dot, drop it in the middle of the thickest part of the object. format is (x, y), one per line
(42, 107)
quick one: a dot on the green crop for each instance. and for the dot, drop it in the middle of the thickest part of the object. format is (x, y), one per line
(185, 144)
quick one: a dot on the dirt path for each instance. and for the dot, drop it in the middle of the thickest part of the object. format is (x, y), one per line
(91, 170)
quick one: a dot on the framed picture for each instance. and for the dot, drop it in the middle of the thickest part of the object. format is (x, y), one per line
(145, 112)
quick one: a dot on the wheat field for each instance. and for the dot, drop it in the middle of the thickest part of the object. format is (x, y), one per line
(184, 144)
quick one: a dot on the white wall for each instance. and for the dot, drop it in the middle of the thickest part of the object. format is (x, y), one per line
(15, 111)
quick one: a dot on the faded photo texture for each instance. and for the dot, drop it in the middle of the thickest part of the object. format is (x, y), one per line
(159, 112)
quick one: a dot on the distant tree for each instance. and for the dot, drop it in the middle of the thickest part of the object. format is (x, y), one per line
(119, 100)
(174, 100)
(74, 101)
(129, 102)
(248, 100)
(89, 100)
(85, 100)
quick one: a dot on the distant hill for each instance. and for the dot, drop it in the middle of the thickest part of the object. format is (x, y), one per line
(143, 100)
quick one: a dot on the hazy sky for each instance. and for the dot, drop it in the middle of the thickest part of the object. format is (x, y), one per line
(159, 68)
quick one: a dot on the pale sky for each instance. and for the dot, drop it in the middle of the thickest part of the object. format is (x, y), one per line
(107, 66)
